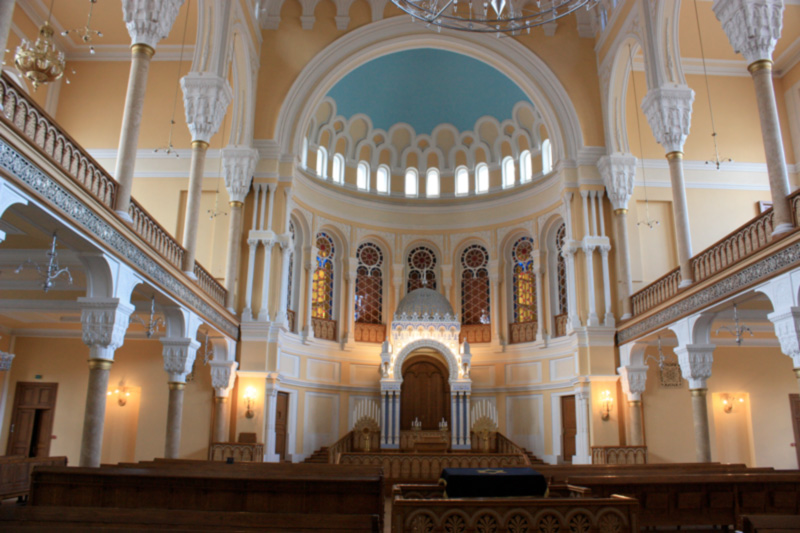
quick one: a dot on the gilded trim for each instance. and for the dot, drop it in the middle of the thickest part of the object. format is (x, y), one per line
(199, 145)
(176, 385)
(141, 48)
(620, 211)
(676, 155)
(761, 64)
(235, 203)
(102, 364)
(699, 392)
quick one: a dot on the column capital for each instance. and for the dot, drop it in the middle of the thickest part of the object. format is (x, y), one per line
(205, 98)
(634, 379)
(223, 376)
(149, 21)
(787, 329)
(238, 166)
(753, 26)
(104, 322)
(695, 361)
(618, 171)
(179, 354)
(669, 111)
(5, 361)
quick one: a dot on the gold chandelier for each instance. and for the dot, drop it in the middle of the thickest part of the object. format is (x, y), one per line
(40, 62)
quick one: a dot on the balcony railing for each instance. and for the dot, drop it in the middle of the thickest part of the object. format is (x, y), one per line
(657, 292)
(475, 333)
(324, 329)
(370, 332)
(619, 455)
(32, 122)
(522, 332)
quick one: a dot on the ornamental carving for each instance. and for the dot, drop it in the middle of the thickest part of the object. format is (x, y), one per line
(634, 381)
(205, 99)
(669, 113)
(238, 166)
(753, 26)
(787, 329)
(179, 357)
(618, 172)
(695, 361)
(5, 361)
(104, 323)
(149, 21)
(223, 376)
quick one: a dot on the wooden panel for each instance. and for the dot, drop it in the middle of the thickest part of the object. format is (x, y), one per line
(569, 427)
(281, 415)
(794, 401)
(32, 419)
(425, 393)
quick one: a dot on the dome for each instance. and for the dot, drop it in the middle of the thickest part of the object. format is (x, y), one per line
(422, 301)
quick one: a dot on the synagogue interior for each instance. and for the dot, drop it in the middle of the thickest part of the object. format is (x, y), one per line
(337, 231)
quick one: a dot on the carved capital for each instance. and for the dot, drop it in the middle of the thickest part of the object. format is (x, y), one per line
(5, 361)
(238, 166)
(205, 98)
(695, 361)
(787, 329)
(634, 379)
(149, 21)
(753, 26)
(223, 376)
(618, 172)
(104, 322)
(179, 354)
(669, 112)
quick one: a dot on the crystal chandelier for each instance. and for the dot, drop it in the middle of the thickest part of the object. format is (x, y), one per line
(86, 32)
(40, 62)
(490, 16)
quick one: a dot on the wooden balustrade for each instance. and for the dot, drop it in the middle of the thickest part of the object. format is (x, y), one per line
(657, 292)
(619, 455)
(239, 452)
(561, 324)
(28, 119)
(324, 329)
(343, 445)
(508, 447)
(522, 332)
(290, 320)
(370, 332)
(475, 333)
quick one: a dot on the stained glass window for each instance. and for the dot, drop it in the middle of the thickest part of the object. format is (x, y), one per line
(369, 285)
(475, 285)
(561, 270)
(421, 269)
(524, 280)
(322, 288)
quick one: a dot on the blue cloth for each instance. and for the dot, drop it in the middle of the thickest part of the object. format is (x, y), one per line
(489, 482)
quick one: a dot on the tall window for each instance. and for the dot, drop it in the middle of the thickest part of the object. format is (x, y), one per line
(524, 281)
(525, 167)
(481, 178)
(322, 288)
(462, 181)
(412, 182)
(561, 271)
(322, 162)
(508, 172)
(362, 176)
(369, 285)
(475, 285)
(338, 168)
(547, 156)
(421, 269)
(290, 279)
(304, 153)
(382, 179)
(432, 183)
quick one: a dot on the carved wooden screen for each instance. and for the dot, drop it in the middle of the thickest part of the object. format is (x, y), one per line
(561, 270)
(524, 281)
(475, 285)
(425, 393)
(322, 297)
(369, 285)
(421, 269)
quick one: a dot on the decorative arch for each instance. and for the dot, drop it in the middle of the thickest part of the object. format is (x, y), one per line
(450, 358)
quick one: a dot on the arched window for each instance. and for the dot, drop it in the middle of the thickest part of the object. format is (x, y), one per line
(369, 285)
(509, 172)
(362, 176)
(382, 179)
(525, 167)
(524, 281)
(475, 286)
(304, 154)
(547, 156)
(412, 182)
(462, 181)
(421, 269)
(561, 303)
(481, 178)
(338, 168)
(322, 162)
(322, 288)
(432, 183)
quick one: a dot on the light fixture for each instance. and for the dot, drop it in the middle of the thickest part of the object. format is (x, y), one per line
(206, 351)
(729, 400)
(86, 32)
(249, 399)
(122, 392)
(661, 357)
(153, 324)
(52, 271)
(490, 16)
(40, 62)
(605, 404)
(738, 329)
(169, 149)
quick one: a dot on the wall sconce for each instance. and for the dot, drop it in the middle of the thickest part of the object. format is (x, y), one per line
(122, 393)
(728, 400)
(605, 404)
(249, 397)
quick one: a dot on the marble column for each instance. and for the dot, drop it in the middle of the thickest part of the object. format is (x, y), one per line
(495, 301)
(583, 451)
(147, 23)
(238, 165)
(104, 322)
(695, 361)
(179, 354)
(223, 376)
(753, 28)
(6, 14)
(287, 248)
(669, 111)
(634, 379)
(205, 100)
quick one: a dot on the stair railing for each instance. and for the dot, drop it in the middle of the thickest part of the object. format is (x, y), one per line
(343, 445)
(507, 446)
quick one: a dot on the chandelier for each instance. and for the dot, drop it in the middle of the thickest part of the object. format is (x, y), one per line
(86, 32)
(490, 16)
(40, 62)
(50, 273)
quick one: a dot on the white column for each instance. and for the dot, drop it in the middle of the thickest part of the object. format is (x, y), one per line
(608, 319)
(397, 282)
(396, 418)
(270, 410)
(574, 320)
(263, 313)
(495, 301)
(247, 313)
(634, 379)
(453, 420)
(286, 250)
(588, 254)
(593, 204)
(584, 196)
(467, 435)
(695, 361)
(223, 377)
(583, 454)
(179, 354)
(786, 320)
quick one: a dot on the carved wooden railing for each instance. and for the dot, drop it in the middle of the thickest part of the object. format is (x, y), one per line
(561, 324)
(522, 332)
(343, 445)
(222, 451)
(290, 319)
(31, 121)
(507, 446)
(210, 286)
(619, 455)
(657, 292)
(403, 466)
(324, 329)
(475, 333)
(370, 332)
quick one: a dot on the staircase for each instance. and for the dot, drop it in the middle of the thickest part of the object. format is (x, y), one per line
(532, 458)
(319, 457)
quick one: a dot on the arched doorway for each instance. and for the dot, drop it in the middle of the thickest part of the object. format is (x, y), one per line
(425, 393)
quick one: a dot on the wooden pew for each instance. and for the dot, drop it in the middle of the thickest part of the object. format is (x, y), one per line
(15, 473)
(770, 523)
(560, 473)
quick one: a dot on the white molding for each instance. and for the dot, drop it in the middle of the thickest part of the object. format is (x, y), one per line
(788, 59)
(147, 153)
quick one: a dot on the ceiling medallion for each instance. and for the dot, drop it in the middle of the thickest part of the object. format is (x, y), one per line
(490, 16)
(40, 62)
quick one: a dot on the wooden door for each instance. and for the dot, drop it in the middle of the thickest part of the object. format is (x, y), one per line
(569, 427)
(32, 419)
(794, 401)
(281, 415)
(425, 393)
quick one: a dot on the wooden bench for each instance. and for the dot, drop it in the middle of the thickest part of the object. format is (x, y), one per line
(560, 473)
(770, 523)
(15, 473)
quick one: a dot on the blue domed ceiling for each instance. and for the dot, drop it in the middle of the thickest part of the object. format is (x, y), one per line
(424, 88)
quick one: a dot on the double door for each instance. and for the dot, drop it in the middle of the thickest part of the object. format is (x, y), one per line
(32, 419)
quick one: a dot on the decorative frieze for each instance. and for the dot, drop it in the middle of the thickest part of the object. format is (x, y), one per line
(669, 112)
(753, 26)
(238, 166)
(205, 99)
(149, 21)
(618, 172)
